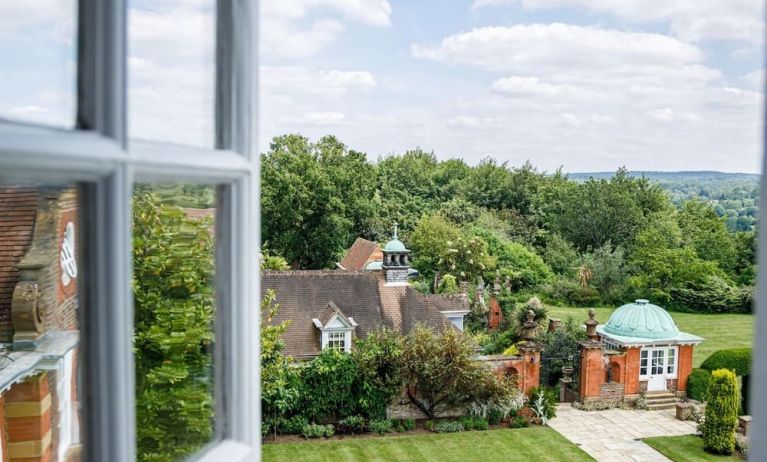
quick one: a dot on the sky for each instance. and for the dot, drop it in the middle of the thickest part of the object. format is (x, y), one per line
(588, 85)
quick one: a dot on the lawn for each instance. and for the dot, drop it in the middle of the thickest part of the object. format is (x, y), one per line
(686, 448)
(719, 330)
(535, 444)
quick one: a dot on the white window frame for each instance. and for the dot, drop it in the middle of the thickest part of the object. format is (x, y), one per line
(100, 157)
(672, 360)
(343, 336)
(646, 367)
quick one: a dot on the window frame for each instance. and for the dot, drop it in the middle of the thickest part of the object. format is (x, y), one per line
(99, 155)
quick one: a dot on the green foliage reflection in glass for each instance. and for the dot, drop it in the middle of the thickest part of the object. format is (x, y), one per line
(174, 311)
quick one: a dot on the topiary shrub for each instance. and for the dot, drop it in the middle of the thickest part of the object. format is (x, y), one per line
(697, 384)
(737, 360)
(721, 413)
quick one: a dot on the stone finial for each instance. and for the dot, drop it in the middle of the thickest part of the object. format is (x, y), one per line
(464, 287)
(507, 283)
(497, 284)
(530, 326)
(591, 325)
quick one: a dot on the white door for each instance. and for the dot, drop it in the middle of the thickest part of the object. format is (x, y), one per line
(657, 373)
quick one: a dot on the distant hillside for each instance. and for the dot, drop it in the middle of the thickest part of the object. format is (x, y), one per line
(735, 196)
(673, 176)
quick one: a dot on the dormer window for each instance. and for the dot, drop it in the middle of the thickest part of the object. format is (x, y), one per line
(335, 328)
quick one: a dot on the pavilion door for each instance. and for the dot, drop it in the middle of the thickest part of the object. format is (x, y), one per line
(657, 373)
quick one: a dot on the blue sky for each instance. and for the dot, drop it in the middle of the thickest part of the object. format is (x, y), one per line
(583, 84)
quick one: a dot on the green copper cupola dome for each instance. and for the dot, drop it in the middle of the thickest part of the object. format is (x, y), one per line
(641, 319)
(395, 245)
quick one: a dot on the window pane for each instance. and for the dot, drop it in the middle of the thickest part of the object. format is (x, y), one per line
(173, 267)
(171, 66)
(39, 321)
(38, 52)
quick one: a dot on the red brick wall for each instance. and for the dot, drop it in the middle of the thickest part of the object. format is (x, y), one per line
(18, 209)
(29, 428)
(494, 313)
(631, 371)
(592, 372)
(685, 366)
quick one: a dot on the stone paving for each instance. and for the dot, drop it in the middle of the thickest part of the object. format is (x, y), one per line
(613, 435)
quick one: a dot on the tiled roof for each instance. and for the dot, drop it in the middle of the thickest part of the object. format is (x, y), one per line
(360, 253)
(363, 296)
(448, 302)
(18, 209)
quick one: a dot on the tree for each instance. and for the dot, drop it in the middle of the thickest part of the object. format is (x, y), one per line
(173, 299)
(438, 370)
(522, 265)
(706, 232)
(279, 382)
(327, 383)
(560, 255)
(315, 199)
(430, 241)
(466, 258)
(608, 272)
(721, 412)
(378, 358)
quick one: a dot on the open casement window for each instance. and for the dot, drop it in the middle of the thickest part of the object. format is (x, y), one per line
(95, 150)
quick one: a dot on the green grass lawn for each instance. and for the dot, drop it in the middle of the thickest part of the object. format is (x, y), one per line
(686, 448)
(720, 331)
(535, 444)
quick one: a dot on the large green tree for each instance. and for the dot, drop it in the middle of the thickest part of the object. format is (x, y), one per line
(315, 199)
(173, 331)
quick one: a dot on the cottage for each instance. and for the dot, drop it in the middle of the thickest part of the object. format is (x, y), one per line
(331, 308)
(639, 350)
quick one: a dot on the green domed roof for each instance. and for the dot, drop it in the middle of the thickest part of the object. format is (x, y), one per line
(395, 245)
(641, 319)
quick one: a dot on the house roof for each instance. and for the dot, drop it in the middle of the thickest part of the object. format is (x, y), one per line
(360, 254)
(641, 319)
(18, 209)
(451, 303)
(360, 295)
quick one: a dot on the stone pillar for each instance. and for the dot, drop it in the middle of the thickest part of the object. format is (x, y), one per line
(531, 354)
(28, 420)
(564, 384)
(592, 361)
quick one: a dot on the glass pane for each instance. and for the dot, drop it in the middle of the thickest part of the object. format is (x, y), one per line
(39, 321)
(39, 56)
(173, 264)
(171, 66)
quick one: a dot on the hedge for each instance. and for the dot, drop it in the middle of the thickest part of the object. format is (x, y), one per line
(697, 384)
(721, 413)
(734, 359)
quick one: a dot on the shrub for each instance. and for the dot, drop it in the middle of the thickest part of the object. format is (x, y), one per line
(404, 425)
(317, 431)
(294, 425)
(380, 426)
(480, 424)
(737, 360)
(721, 412)
(697, 384)
(543, 403)
(468, 423)
(378, 358)
(447, 426)
(518, 422)
(351, 425)
(327, 387)
(494, 416)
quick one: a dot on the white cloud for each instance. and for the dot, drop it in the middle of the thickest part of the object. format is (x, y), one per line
(755, 80)
(533, 86)
(293, 29)
(318, 118)
(333, 83)
(692, 20)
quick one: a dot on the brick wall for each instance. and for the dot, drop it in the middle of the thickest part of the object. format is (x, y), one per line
(18, 209)
(28, 420)
(611, 391)
(592, 370)
(685, 366)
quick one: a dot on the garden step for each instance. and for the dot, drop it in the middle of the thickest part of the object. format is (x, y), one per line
(660, 406)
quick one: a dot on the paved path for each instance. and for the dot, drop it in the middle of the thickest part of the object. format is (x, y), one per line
(612, 435)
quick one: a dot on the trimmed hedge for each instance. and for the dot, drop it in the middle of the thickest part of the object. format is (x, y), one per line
(697, 384)
(734, 359)
(721, 413)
